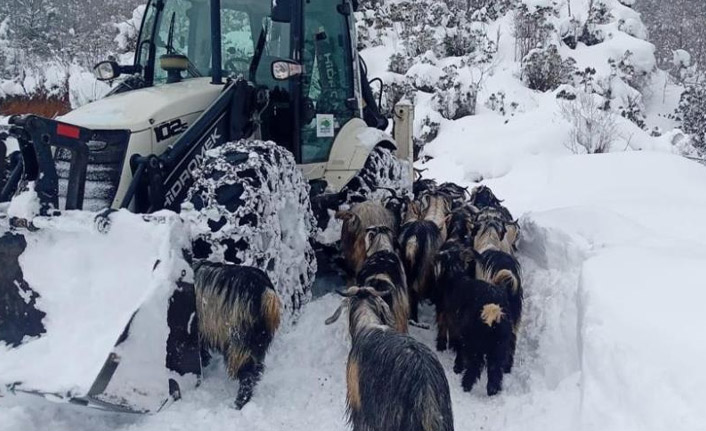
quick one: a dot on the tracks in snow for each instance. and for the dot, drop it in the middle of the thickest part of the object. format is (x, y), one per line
(304, 385)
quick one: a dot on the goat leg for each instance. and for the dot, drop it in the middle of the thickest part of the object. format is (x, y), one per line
(248, 376)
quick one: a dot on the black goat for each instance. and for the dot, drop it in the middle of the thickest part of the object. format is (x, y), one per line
(454, 260)
(479, 312)
(503, 270)
(394, 382)
(238, 314)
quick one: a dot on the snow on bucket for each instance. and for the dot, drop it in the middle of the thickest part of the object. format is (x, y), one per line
(102, 318)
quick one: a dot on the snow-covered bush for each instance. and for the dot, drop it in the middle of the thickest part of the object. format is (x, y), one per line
(532, 28)
(428, 132)
(396, 91)
(496, 103)
(598, 14)
(488, 10)
(625, 69)
(692, 114)
(593, 128)
(454, 98)
(129, 30)
(634, 111)
(543, 69)
(399, 63)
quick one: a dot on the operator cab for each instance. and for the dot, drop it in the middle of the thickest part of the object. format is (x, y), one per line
(319, 89)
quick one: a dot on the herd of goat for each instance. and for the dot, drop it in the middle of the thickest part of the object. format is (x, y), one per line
(449, 246)
(444, 244)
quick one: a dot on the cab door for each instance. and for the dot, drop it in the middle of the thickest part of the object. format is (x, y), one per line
(328, 84)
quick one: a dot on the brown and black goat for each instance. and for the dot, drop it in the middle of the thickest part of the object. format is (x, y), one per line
(394, 382)
(483, 197)
(384, 272)
(238, 313)
(491, 233)
(355, 222)
(419, 242)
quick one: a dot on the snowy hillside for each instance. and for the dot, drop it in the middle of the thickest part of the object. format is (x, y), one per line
(613, 245)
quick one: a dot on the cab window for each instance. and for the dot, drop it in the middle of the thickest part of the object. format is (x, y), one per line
(328, 80)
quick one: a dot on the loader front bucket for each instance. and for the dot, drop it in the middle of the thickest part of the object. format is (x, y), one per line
(99, 314)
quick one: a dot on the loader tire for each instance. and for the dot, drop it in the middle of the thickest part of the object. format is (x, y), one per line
(382, 169)
(249, 205)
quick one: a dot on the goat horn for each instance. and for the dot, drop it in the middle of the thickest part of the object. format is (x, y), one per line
(334, 317)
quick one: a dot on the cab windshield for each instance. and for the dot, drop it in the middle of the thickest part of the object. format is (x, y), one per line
(183, 27)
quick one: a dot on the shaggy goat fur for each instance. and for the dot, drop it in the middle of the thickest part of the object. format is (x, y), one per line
(479, 312)
(436, 208)
(482, 197)
(458, 195)
(422, 186)
(461, 224)
(493, 234)
(454, 260)
(384, 272)
(355, 223)
(504, 271)
(394, 382)
(419, 242)
(238, 314)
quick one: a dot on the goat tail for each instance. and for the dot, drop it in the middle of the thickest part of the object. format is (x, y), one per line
(271, 310)
(492, 314)
(505, 277)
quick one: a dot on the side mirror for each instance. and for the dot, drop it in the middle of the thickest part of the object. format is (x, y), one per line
(106, 70)
(285, 69)
(282, 11)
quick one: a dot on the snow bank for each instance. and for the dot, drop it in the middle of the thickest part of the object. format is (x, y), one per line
(90, 286)
(642, 339)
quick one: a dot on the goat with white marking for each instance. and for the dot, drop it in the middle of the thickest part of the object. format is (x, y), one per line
(479, 312)
(238, 314)
(503, 271)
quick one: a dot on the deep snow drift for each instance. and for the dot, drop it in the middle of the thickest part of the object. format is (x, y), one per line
(612, 337)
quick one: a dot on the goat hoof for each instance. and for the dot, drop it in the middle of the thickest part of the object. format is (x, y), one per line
(458, 368)
(493, 390)
(441, 346)
(467, 388)
(240, 403)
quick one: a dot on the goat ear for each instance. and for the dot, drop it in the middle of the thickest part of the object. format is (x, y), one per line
(447, 219)
(382, 294)
(351, 291)
(344, 215)
(469, 255)
(369, 235)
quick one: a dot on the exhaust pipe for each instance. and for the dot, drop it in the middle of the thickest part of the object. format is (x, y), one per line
(216, 66)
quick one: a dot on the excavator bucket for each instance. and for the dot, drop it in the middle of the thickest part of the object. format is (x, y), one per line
(97, 311)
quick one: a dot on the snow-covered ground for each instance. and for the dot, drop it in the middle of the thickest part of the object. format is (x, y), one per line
(611, 252)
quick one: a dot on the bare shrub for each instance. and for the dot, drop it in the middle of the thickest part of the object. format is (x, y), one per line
(592, 127)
